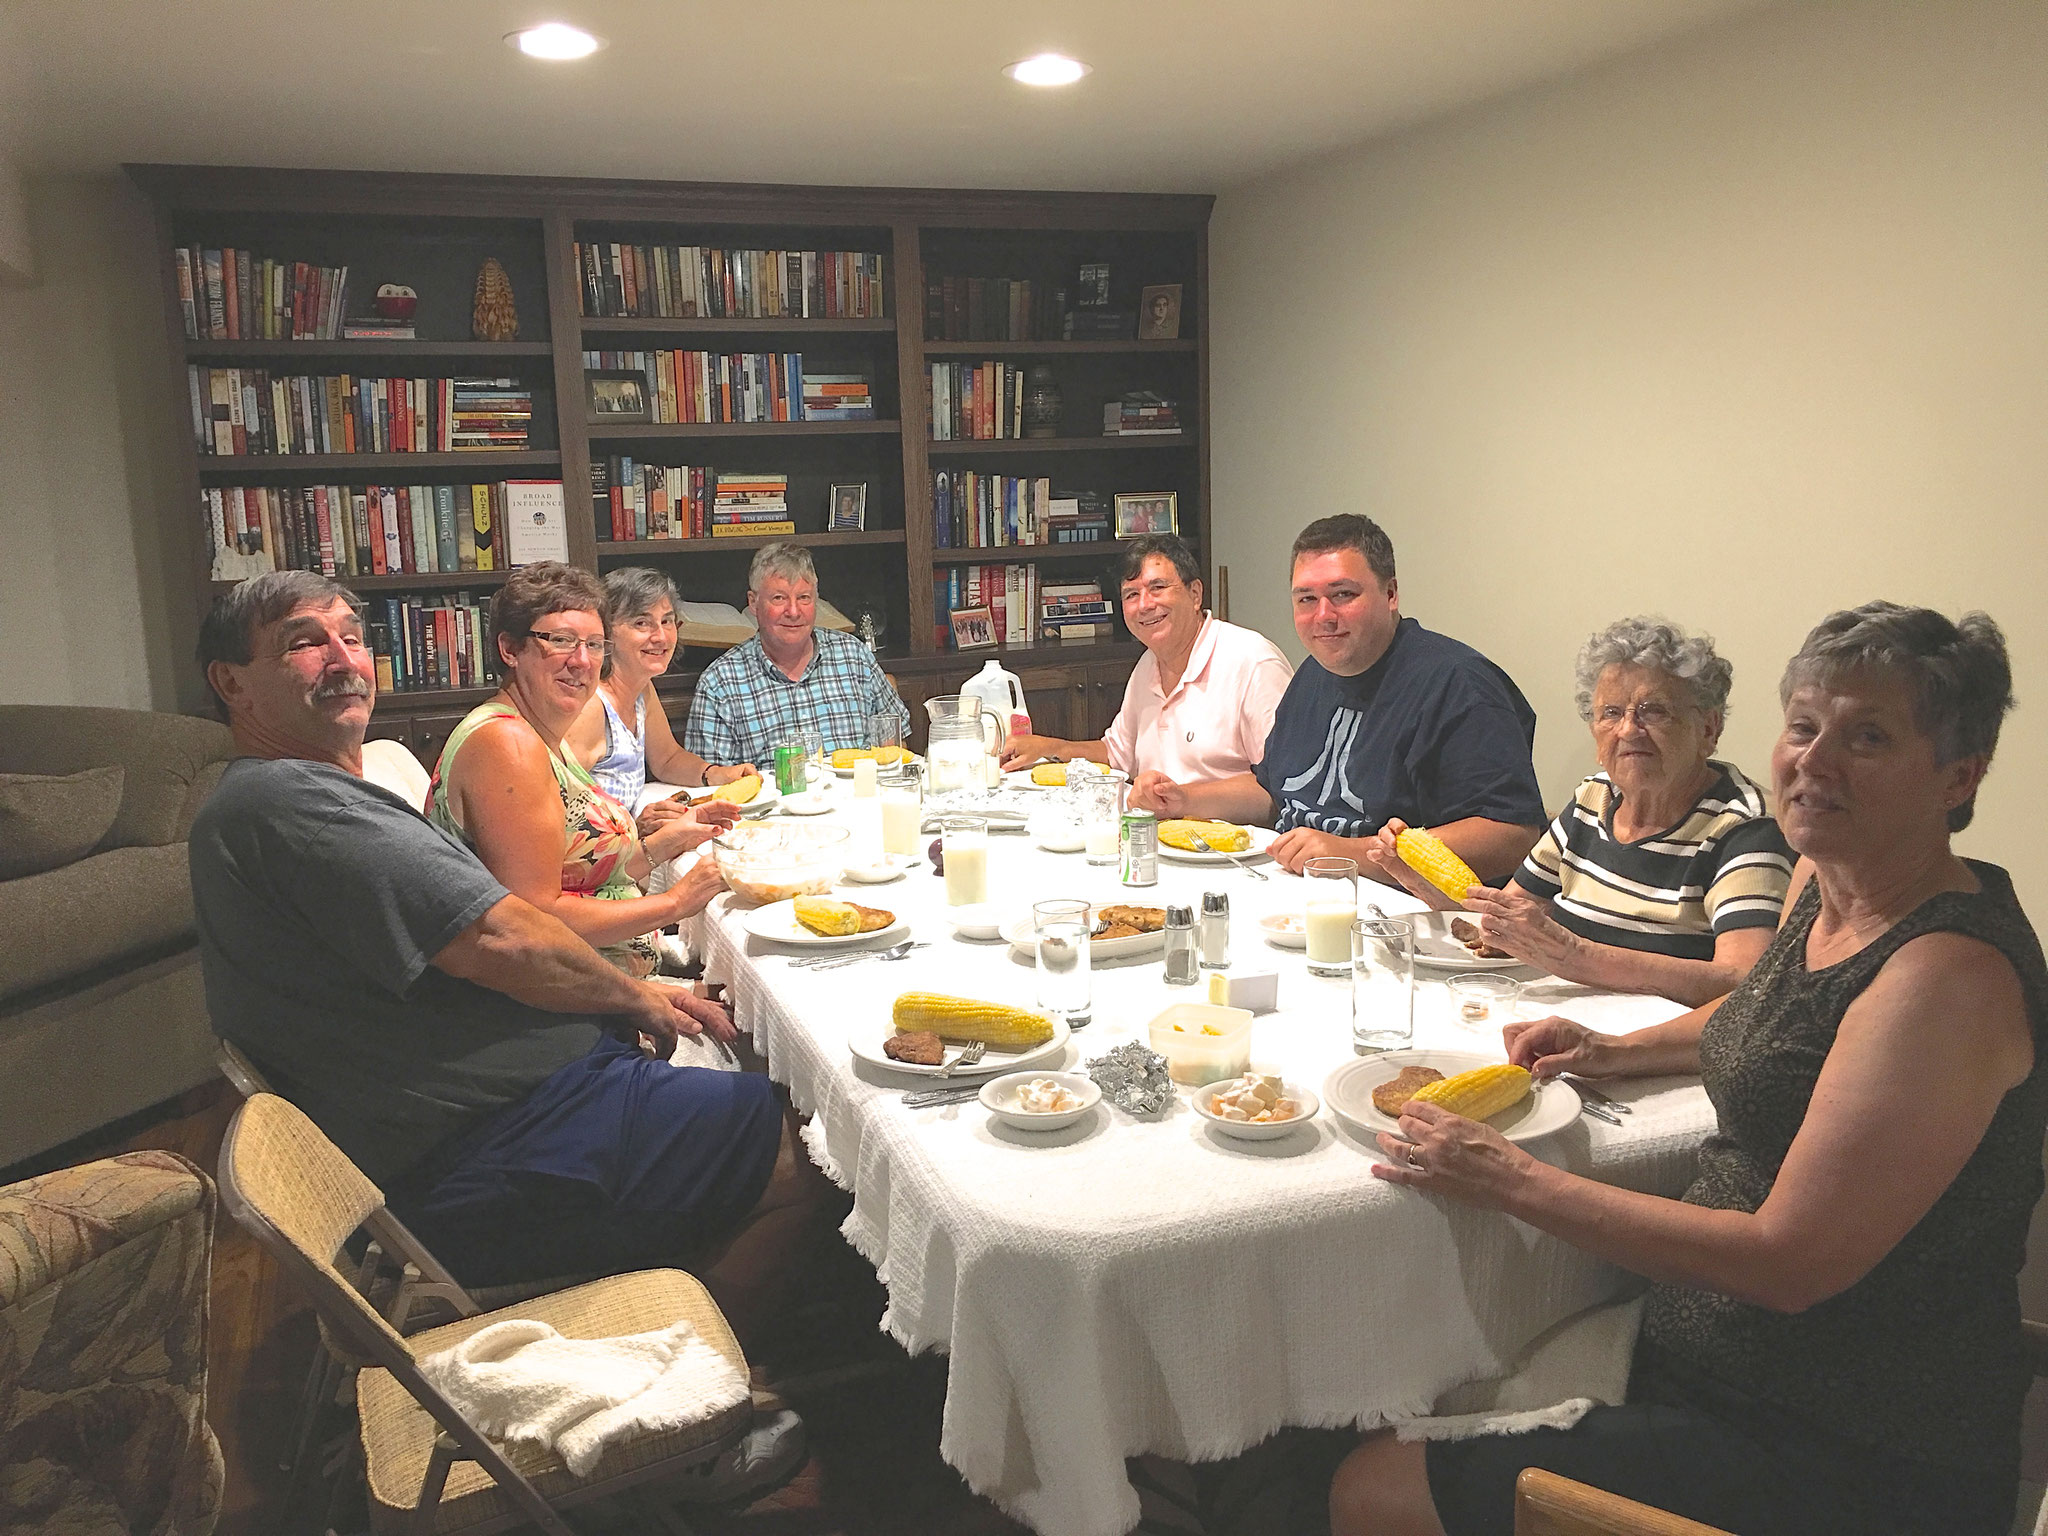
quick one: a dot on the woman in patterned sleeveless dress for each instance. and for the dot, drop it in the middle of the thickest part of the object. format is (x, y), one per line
(509, 790)
(1832, 1344)
(623, 736)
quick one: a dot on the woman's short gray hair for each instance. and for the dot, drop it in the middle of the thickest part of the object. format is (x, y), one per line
(636, 589)
(1657, 645)
(1959, 674)
(792, 562)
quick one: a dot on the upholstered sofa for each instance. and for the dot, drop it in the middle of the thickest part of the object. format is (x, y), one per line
(101, 1011)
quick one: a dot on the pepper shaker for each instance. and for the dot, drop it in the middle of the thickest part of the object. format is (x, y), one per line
(1215, 930)
(1181, 967)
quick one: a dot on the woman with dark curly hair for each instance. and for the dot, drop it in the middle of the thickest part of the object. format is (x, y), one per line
(1832, 1342)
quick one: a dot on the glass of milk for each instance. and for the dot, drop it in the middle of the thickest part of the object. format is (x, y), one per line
(1101, 799)
(902, 809)
(1331, 909)
(964, 842)
(1382, 984)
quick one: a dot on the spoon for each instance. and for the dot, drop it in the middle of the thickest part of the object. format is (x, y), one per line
(893, 952)
(1207, 847)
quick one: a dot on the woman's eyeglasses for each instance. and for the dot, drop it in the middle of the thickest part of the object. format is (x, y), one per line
(1650, 715)
(555, 643)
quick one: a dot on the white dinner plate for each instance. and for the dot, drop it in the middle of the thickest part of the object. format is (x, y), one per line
(777, 923)
(847, 773)
(1348, 1092)
(1019, 932)
(764, 799)
(1262, 839)
(865, 1041)
(1435, 948)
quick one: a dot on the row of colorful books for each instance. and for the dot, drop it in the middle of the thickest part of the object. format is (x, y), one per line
(636, 500)
(975, 401)
(684, 386)
(680, 282)
(422, 640)
(990, 308)
(751, 504)
(360, 530)
(1074, 613)
(237, 411)
(1021, 607)
(231, 295)
(971, 510)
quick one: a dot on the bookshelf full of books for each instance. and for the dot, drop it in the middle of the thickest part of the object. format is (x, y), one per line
(953, 399)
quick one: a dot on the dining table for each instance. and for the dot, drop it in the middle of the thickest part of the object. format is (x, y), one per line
(1136, 1285)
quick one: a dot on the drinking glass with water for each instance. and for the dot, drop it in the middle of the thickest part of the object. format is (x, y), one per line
(1064, 931)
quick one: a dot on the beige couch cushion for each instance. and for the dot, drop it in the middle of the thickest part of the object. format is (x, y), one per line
(169, 762)
(48, 821)
(79, 921)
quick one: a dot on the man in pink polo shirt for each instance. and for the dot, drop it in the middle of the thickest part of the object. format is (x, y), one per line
(1200, 700)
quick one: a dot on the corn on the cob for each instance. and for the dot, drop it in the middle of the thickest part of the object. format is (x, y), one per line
(963, 1018)
(1052, 775)
(1219, 835)
(846, 757)
(1479, 1094)
(823, 915)
(1429, 856)
(739, 791)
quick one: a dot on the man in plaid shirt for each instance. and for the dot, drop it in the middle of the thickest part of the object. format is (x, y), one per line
(790, 675)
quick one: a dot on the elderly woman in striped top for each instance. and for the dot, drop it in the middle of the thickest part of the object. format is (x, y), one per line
(1666, 872)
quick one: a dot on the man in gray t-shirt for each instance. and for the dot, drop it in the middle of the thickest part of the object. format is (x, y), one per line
(467, 1050)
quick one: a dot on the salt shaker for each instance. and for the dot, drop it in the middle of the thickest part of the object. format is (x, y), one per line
(1215, 930)
(1181, 967)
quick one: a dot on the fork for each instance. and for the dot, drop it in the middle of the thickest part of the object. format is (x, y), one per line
(969, 1055)
(893, 952)
(1587, 1090)
(1204, 844)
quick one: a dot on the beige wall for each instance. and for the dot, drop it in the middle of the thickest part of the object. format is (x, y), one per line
(94, 608)
(1739, 330)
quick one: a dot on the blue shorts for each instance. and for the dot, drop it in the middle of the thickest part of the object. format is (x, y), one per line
(615, 1162)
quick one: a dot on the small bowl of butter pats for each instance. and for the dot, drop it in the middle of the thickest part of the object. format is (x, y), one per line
(1040, 1101)
(1255, 1107)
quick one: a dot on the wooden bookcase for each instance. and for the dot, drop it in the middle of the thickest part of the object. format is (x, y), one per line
(433, 232)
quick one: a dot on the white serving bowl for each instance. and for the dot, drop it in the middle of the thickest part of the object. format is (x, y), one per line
(770, 861)
(999, 1098)
(976, 922)
(1252, 1130)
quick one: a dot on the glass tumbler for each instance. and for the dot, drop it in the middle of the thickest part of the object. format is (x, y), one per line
(902, 808)
(1063, 928)
(1331, 909)
(1382, 984)
(1100, 797)
(964, 842)
(885, 731)
(815, 765)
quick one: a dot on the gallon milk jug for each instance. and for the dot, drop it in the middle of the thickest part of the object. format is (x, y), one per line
(1001, 694)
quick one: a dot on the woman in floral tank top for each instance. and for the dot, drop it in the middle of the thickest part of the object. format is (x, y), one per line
(1832, 1344)
(506, 787)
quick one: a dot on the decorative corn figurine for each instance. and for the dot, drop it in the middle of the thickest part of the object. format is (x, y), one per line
(1430, 857)
(821, 914)
(1219, 835)
(739, 791)
(963, 1018)
(1479, 1094)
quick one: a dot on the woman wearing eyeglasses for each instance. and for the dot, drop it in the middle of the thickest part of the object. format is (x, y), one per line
(1666, 873)
(509, 789)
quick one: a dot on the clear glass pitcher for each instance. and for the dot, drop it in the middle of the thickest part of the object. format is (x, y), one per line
(964, 732)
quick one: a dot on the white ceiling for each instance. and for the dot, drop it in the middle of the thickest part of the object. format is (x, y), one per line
(1187, 95)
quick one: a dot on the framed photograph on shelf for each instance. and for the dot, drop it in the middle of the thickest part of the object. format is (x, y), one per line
(1146, 512)
(973, 629)
(849, 508)
(616, 396)
(1159, 313)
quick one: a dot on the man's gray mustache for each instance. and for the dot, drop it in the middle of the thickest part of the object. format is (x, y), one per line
(353, 687)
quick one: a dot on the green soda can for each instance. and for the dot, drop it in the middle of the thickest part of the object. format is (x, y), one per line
(789, 768)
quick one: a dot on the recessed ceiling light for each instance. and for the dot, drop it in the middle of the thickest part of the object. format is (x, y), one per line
(555, 40)
(1047, 69)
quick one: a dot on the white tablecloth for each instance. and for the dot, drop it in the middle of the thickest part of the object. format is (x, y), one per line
(1133, 1286)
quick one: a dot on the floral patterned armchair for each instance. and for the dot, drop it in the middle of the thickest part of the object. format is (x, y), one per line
(103, 1293)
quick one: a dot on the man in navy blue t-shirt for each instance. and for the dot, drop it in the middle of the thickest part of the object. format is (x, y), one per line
(1386, 720)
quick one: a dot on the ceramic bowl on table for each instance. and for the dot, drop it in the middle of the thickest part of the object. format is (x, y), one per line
(999, 1098)
(769, 861)
(1307, 1105)
(1287, 930)
(981, 921)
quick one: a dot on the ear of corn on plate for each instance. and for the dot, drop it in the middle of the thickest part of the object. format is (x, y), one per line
(844, 758)
(1347, 1093)
(1430, 857)
(1221, 836)
(960, 1019)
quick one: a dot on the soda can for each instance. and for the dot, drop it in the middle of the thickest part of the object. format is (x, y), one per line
(1138, 848)
(789, 767)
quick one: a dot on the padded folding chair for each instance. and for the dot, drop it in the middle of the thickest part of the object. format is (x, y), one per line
(429, 1469)
(1549, 1505)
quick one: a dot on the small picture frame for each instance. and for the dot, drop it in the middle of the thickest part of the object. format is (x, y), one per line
(1159, 313)
(973, 629)
(1146, 512)
(849, 512)
(615, 396)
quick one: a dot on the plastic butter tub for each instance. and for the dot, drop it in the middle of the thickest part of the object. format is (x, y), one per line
(1202, 1043)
